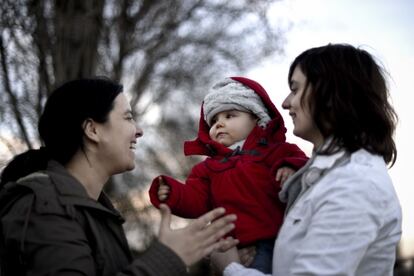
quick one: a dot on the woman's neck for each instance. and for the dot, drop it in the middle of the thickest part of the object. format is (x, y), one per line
(317, 140)
(88, 174)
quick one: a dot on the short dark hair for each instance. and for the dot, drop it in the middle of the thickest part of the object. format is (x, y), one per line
(349, 99)
(61, 123)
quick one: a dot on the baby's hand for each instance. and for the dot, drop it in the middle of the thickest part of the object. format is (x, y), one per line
(247, 255)
(283, 174)
(163, 189)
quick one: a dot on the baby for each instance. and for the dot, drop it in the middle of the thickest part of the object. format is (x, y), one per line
(243, 135)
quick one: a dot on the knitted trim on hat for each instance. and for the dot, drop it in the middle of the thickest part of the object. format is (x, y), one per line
(232, 93)
(224, 107)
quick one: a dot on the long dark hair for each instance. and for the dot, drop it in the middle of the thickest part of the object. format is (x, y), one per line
(61, 124)
(349, 99)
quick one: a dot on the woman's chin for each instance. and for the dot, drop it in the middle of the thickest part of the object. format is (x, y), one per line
(130, 167)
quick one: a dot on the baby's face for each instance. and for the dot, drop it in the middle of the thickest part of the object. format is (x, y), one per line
(231, 126)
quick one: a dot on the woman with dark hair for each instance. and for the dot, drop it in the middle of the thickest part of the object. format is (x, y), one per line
(55, 219)
(343, 216)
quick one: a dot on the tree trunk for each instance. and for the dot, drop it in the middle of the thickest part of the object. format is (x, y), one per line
(77, 25)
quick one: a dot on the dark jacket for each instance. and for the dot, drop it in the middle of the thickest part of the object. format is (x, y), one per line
(242, 181)
(50, 226)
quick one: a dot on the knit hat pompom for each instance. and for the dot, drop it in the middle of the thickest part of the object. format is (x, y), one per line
(230, 94)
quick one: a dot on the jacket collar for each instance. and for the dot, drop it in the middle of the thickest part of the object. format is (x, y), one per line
(72, 192)
(326, 161)
(65, 183)
(310, 174)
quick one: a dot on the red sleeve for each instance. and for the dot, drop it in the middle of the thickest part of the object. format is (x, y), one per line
(287, 155)
(189, 200)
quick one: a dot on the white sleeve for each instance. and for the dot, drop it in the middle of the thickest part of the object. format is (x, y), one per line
(236, 269)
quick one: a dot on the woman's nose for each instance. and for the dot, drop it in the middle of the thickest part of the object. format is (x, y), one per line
(286, 103)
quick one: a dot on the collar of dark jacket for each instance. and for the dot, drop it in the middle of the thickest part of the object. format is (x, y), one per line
(72, 192)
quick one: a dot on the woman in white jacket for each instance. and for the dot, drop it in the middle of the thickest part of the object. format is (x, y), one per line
(343, 216)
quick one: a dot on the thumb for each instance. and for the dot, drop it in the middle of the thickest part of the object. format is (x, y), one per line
(165, 217)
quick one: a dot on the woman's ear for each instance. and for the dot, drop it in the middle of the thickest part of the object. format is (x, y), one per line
(90, 130)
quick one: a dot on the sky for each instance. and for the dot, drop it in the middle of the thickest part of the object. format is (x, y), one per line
(385, 28)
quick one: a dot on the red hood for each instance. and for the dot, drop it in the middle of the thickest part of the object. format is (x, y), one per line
(274, 131)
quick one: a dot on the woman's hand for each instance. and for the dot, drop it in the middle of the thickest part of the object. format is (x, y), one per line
(201, 237)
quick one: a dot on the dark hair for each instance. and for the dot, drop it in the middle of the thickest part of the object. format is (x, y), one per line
(348, 99)
(61, 124)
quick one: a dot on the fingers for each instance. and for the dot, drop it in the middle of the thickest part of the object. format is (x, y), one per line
(227, 243)
(221, 260)
(163, 189)
(163, 192)
(247, 255)
(283, 178)
(221, 245)
(282, 174)
(221, 226)
(286, 175)
(202, 221)
(216, 230)
(200, 237)
(165, 218)
(279, 175)
(210, 229)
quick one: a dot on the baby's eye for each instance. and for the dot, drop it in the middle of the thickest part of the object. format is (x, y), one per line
(230, 115)
(130, 118)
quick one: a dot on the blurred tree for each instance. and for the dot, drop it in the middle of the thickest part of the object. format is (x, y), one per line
(166, 53)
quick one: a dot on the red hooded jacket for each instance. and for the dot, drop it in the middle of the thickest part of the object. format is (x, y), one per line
(242, 181)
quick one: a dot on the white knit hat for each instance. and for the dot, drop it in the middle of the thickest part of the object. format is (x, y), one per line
(230, 94)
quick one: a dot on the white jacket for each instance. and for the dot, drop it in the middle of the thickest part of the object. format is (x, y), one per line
(346, 221)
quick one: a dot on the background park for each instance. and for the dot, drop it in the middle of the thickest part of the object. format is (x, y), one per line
(167, 54)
